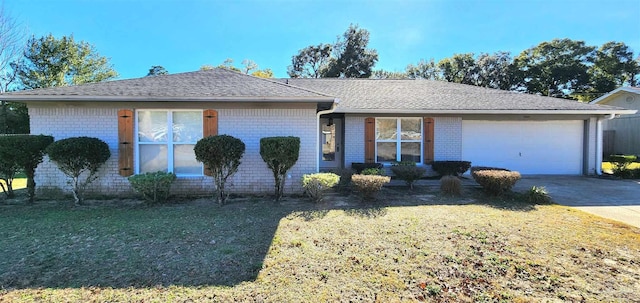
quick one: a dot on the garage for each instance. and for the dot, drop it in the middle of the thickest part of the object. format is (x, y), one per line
(530, 147)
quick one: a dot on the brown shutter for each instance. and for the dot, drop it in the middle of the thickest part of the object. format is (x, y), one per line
(125, 142)
(428, 140)
(369, 140)
(210, 128)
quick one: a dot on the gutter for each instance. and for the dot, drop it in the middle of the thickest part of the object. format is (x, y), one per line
(336, 101)
(496, 112)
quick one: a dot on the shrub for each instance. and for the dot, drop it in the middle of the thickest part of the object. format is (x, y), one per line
(316, 184)
(280, 154)
(621, 165)
(221, 154)
(154, 187)
(453, 168)
(538, 195)
(358, 167)
(77, 157)
(369, 185)
(26, 153)
(408, 171)
(373, 172)
(451, 185)
(8, 170)
(493, 180)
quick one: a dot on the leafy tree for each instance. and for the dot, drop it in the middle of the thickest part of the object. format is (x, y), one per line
(310, 62)
(424, 70)
(221, 154)
(613, 67)
(52, 62)
(263, 73)
(248, 67)
(14, 118)
(555, 68)
(157, 70)
(461, 68)
(494, 71)
(352, 58)
(79, 158)
(25, 151)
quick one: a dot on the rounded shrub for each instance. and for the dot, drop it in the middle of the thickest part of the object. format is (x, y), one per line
(369, 185)
(79, 157)
(453, 168)
(493, 180)
(451, 185)
(408, 172)
(154, 187)
(221, 154)
(25, 152)
(372, 171)
(280, 154)
(315, 185)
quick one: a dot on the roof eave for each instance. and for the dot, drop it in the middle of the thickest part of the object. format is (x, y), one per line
(36, 98)
(614, 92)
(492, 112)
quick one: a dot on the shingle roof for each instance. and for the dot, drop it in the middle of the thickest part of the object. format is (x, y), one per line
(214, 83)
(384, 95)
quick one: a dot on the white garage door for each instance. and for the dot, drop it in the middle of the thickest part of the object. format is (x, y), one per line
(532, 147)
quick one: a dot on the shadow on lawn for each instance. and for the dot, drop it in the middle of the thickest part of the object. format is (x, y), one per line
(193, 243)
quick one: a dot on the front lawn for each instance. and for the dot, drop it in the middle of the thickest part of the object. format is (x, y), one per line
(408, 248)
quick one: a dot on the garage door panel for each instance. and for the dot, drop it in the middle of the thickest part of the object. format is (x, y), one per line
(532, 147)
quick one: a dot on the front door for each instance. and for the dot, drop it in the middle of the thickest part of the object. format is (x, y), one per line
(330, 143)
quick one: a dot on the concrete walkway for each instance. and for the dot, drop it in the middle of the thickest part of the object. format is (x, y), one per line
(614, 199)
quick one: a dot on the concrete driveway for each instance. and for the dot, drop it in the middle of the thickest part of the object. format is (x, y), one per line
(614, 199)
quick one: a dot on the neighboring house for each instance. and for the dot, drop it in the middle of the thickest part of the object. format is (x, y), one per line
(152, 123)
(622, 135)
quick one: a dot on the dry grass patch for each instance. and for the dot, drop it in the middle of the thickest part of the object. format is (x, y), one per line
(405, 249)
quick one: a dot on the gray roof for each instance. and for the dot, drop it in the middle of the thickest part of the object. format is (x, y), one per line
(385, 95)
(214, 84)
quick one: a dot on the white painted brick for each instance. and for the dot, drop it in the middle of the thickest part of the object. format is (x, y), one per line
(447, 138)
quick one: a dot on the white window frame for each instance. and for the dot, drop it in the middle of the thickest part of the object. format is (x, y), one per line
(398, 140)
(170, 144)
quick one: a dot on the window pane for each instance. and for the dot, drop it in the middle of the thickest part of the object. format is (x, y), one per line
(386, 152)
(411, 129)
(152, 126)
(386, 129)
(184, 160)
(153, 157)
(410, 151)
(187, 126)
(328, 142)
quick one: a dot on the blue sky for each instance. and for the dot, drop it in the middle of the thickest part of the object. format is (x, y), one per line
(184, 35)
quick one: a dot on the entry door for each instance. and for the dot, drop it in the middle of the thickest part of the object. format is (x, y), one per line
(330, 143)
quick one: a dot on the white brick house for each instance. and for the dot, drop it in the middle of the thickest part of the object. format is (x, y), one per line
(339, 122)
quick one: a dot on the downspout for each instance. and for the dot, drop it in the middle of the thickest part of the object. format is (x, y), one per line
(599, 142)
(322, 112)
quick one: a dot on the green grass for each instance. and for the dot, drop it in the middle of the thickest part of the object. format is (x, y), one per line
(415, 247)
(18, 183)
(608, 167)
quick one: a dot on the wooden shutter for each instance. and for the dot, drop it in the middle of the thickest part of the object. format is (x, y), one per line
(369, 140)
(210, 128)
(428, 140)
(125, 142)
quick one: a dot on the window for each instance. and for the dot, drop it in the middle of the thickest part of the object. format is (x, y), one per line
(407, 146)
(166, 139)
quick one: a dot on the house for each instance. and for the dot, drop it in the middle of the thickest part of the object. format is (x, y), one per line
(622, 135)
(152, 123)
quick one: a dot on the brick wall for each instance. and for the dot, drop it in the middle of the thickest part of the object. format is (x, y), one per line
(249, 125)
(448, 138)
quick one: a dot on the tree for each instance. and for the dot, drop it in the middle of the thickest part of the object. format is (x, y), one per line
(280, 154)
(27, 152)
(248, 67)
(351, 57)
(14, 118)
(310, 62)
(52, 62)
(424, 70)
(157, 70)
(263, 73)
(494, 71)
(613, 67)
(556, 68)
(461, 68)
